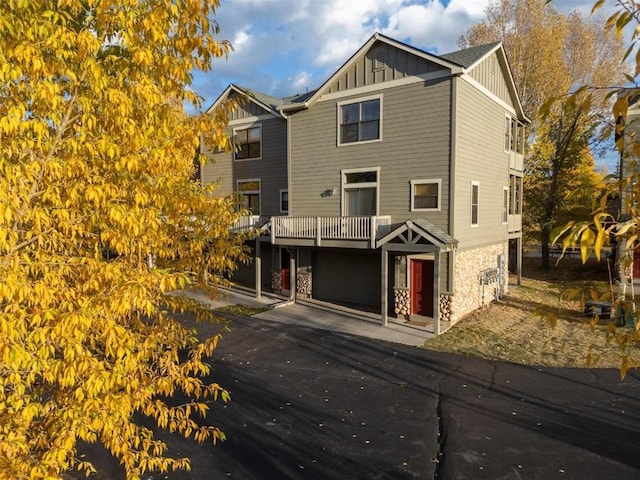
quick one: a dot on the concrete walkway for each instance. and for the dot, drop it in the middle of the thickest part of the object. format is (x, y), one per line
(320, 315)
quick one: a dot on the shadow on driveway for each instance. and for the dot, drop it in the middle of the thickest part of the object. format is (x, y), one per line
(313, 404)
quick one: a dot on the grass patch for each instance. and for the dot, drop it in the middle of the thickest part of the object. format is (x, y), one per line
(511, 331)
(243, 310)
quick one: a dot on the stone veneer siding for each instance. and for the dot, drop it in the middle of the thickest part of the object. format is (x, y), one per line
(468, 289)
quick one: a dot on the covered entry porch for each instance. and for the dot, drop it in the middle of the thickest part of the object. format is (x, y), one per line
(420, 257)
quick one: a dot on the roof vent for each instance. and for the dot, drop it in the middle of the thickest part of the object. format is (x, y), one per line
(379, 60)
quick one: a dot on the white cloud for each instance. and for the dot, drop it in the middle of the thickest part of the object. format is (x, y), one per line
(285, 46)
(300, 83)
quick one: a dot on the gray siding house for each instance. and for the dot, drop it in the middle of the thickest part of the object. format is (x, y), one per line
(257, 169)
(403, 180)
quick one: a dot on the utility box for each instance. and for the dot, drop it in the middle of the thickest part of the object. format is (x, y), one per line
(595, 307)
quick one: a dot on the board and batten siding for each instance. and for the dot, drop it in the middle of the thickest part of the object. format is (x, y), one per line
(415, 146)
(382, 63)
(270, 169)
(246, 109)
(479, 157)
(489, 74)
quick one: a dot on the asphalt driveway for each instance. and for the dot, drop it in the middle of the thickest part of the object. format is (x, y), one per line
(314, 404)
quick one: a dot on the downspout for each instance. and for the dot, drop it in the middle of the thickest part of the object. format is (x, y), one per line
(452, 179)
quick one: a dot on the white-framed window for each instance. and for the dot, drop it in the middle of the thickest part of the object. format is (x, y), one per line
(507, 133)
(360, 191)
(425, 195)
(249, 191)
(516, 203)
(284, 201)
(513, 135)
(360, 121)
(520, 138)
(505, 205)
(248, 143)
(475, 204)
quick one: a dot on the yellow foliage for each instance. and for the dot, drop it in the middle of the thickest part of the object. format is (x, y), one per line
(99, 218)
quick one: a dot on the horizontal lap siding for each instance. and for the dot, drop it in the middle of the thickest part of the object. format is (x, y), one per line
(415, 145)
(218, 168)
(480, 157)
(271, 169)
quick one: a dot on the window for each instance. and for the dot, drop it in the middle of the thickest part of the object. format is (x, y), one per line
(248, 143)
(507, 133)
(505, 204)
(517, 192)
(425, 195)
(284, 201)
(513, 135)
(360, 192)
(475, 200)
(360, 121)
(249, 195)
(520, 139)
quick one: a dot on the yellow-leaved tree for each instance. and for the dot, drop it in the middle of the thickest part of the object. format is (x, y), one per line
(99, 217)
(615, 220)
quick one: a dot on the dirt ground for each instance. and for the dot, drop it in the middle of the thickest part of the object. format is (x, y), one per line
(535, 324)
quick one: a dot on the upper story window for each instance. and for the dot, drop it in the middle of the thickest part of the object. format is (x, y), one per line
(248, 143)
(425, 195)
(513, 135)
(284, 201)
(360, 121)
(250, 195)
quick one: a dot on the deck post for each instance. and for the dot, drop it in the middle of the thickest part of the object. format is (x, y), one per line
(258, 269)
(436, 291)
(293, 275)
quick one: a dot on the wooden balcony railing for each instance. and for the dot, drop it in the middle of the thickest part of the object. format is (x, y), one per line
(330, 228)
(249, 222)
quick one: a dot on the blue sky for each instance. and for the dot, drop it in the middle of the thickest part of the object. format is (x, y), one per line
(284, 47)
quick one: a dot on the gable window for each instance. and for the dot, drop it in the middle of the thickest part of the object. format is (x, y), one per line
(248, 143)
(475, 203)
(360, 121)
(360, 192)
(425, 195)
(249, 191)
(284, 201)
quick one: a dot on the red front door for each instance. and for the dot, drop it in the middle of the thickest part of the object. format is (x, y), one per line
(422, 287)
(636, 262)
(285, 262)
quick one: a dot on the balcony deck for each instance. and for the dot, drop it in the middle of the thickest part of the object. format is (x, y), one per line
(330, 231)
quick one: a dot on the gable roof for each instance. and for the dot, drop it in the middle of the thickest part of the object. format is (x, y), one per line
(471, 57)
(459, 63)
(267, 102)
(468, 57)
(376, 37)
(425, 230)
